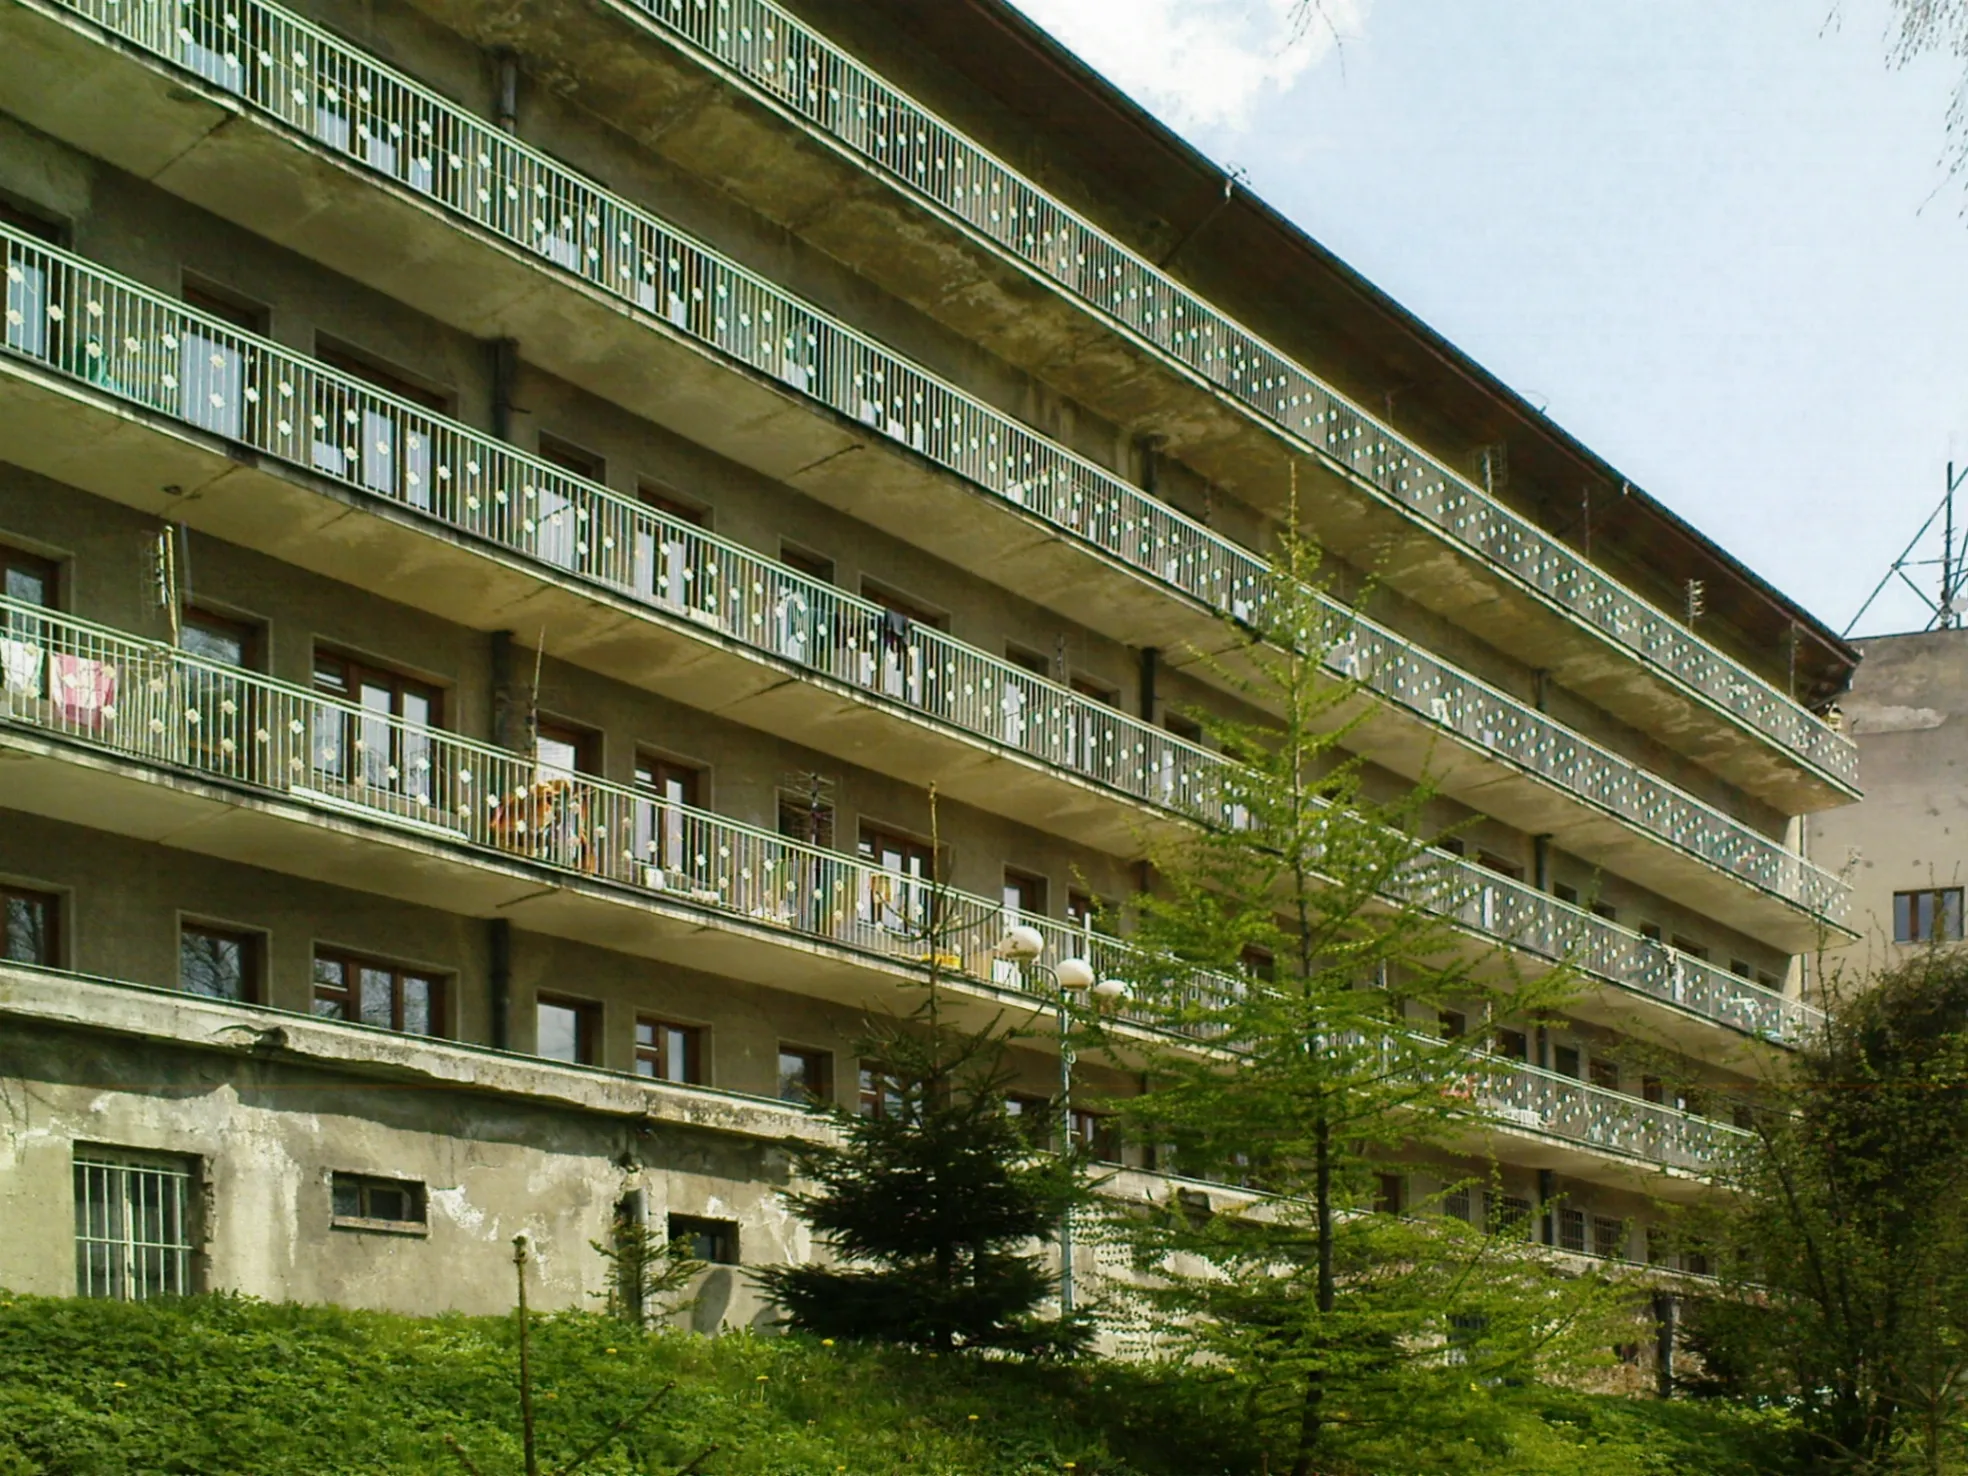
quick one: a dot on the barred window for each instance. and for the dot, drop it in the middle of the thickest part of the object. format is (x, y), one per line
(133, 1224)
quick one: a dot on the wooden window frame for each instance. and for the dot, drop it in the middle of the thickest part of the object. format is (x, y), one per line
(573, 458)
(252, 959)
(587, 1028)
(356, 673)
(357, 364)
(52, 939)
(655, 1054)
(250, 634)
(39, 566)
(363, 1186)
(1944, 921)
(586, 743)
(350, 993)
(817, 1078)
(1032, 893)
(233, 308)
(722, 1233)
(875, 1092)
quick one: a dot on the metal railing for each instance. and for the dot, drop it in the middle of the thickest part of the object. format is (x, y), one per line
(164, 706)
(795, 67)
(71, 316)
(389, 124)
(1543, 1101)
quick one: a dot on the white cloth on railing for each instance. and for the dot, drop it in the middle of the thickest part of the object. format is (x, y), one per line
(85, 690)
(20, 662)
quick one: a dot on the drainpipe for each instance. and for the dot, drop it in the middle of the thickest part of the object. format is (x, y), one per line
(1548, 1191)
(505, 109)
(502, 675)
(1150, 662)
(499, 975)
(1541, 862)
(505, 378)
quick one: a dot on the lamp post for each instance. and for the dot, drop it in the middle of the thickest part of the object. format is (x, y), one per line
(1024, 945)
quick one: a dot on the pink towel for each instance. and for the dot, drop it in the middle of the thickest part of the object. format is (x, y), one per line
(85, 691)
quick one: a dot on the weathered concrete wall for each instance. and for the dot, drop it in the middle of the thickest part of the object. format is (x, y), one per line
(1908, 709)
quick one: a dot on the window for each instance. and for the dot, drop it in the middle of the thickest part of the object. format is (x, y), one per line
(1608, 1238)
(1258, 963)
(26, 578)
(807, 816)
(817, 567)
(1455, 1024)
(1506, 1214)
(895, 666)
(1571, 1231)
(1740, 968)
(1513, 1045)
(371, 436)
(1652, 1089)
(1605, 910)
(1095, 1134)
(133, 1224)
(1024, 895)
(363, 1203)
(715, 1241)
(1650, 931)
(27, 296)
(1033, 1116)
(1084, 911)
(1932, 916)
(1455, 1203)
(805, 1076)
(666, 1052)
(385, 746)
(562, 751)
(666, 553)
(1390, 1193)
(565, 1030)
(556, 518)
(213, 364)
(218, 639)
(1566, 1061)
(218, 963)
(1032, 661)
(899, 902)
(880, 1094)
(1565, 894)
(33, 927)
(1605, 1073)
(1689, 946)
(396, 998)
(1184, 728)
(662, 831)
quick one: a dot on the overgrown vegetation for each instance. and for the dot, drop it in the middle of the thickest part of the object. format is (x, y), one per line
(226, 1387)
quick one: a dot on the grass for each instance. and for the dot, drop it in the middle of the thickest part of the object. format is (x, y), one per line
(219, 1385)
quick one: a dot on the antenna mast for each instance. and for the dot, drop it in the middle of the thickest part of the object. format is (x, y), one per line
(1944, 613)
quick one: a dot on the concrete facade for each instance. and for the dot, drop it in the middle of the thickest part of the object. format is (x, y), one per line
(471, 362)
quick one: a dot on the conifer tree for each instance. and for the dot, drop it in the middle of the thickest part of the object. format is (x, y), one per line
(1346, 1025)
(936, 1202)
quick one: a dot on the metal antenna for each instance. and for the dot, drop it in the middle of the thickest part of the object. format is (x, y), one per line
(1944, 613)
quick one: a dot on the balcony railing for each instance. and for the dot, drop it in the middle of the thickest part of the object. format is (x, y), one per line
(795, 67)
(391, 125)
(163, 706)
(71, 316)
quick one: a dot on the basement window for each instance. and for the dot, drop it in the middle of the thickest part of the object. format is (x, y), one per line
(133, 1224)
(364, 1203)
(715, 1241)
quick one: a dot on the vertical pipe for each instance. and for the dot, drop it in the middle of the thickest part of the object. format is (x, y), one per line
(1666, 1313)
(501, 678)
(1150, 661)
(506, 104)
(1548, 1191)
(1066, 1130)
(1541, 862)
(505, 377)
(499, 977)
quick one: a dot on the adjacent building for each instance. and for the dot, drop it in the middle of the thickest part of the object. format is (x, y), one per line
(506, 512)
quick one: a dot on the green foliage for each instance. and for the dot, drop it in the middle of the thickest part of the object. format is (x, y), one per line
(1337, 1061)
(1846, 1243)
(934, 1205)
(647, 1270)
(227, 1387)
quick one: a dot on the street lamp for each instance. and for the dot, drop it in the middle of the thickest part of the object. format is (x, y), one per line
(1024, 945)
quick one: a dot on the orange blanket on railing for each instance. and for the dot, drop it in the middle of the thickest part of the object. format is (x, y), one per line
(550, 820)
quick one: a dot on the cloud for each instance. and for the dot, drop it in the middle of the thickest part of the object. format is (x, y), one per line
(1200, 64)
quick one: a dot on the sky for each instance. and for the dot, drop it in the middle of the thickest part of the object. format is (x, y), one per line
(1717, 240)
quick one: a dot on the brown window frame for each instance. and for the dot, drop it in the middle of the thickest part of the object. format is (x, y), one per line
(574, 459)
(37, 566)
(587, 1028)
(350, 992)
(1025, 893)
(1100, 1134)
(1603, 1074)
(252, 952)
(358, 673)
(586, 743)
(362, 1187)
(51, 940)
(358, 365)
(655, 1053)
(249, 634)
(875, 1092)
(1942, 919)
(817, 1077)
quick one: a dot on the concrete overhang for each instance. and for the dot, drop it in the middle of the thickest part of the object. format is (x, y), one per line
(82, 85)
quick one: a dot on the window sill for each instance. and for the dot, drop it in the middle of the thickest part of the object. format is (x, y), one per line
(413, 1228)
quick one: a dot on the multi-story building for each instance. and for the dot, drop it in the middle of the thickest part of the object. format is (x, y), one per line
(507, 511)
(1904, 850)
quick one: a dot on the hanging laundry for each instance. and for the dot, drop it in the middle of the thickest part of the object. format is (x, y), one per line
(85, 690)
(20, 667)
(895, 630)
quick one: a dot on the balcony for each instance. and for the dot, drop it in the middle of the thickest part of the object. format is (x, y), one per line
(135, 349)
(298, 782)
(775, 113)
(373, 174)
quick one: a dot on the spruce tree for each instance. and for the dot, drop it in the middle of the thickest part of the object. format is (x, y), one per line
(936, 1203)
(1344, 1032)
